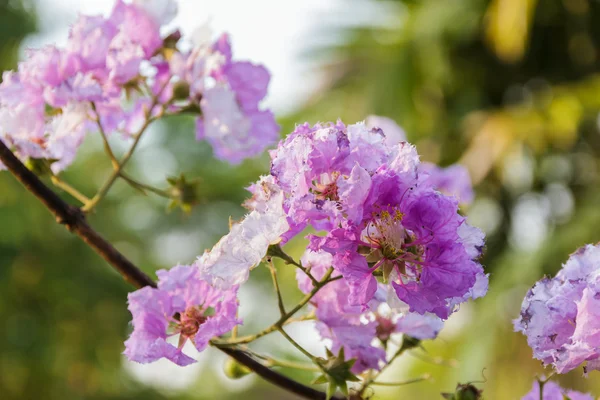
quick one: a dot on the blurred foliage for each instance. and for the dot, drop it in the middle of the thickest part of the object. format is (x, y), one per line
(510, 88)
(16, 21)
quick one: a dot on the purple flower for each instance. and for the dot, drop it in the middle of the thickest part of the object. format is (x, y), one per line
(137, 26)
(551, 391)
(338, 320)
(204, 313)
(229, 95)
(363, 332)
(559, 316)
(234, 135)
(453, 180)
(249, 82)
(379, 216)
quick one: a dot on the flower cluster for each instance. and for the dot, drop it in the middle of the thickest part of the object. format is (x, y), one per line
(402, 255)
(561, 316)
(118, 72)
(552, 391)
(380, 217)
(203, 312)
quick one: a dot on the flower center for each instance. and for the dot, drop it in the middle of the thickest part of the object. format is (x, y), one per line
(387, 233)
(389, 246)
(326, 187)
(385, 328)
(190, 321)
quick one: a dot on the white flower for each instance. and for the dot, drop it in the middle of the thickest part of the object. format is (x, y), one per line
(231, 259)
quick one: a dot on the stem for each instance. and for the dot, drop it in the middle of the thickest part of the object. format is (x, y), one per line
(371, 378)
(277, 251)
(107, 148)
(74, 221)
(276, 285)
(307, 317)
(59, 183)
(542, 383)
(142, 186)
(421, 378)
(284, 318)
(297, 345)
(118, 167)
(290, 364)
(274, 362)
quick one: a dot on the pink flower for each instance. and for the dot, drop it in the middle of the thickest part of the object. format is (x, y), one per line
(204, 313)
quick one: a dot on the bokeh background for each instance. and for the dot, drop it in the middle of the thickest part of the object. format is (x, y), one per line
(509, 88)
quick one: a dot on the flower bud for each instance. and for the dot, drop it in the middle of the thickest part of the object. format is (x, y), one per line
(181, 90)
(235, 370)
(39, 166)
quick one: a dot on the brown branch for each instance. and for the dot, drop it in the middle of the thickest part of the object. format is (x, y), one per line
(74, 220)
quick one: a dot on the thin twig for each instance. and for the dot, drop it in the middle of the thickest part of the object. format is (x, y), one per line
(421, 378)
(280, 304)
(372, 377)
(297, 345)
(107, 148)
(284, 318)
(277, 251)
(118, 167)
(142, 186)
(74, 221)
(59, 183)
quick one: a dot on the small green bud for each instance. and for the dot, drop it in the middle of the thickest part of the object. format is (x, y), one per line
(181, 90)
(235, 370)
(409, 342)
(39, 166)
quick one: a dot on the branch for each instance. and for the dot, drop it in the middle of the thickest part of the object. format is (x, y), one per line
(74, 221)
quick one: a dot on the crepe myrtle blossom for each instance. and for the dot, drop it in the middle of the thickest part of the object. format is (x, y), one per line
(229, 262)
(232, 120)
(561, 316)
(379, 216)
(204, 312)
(363, 333)
(552, 391)
(118, 71)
